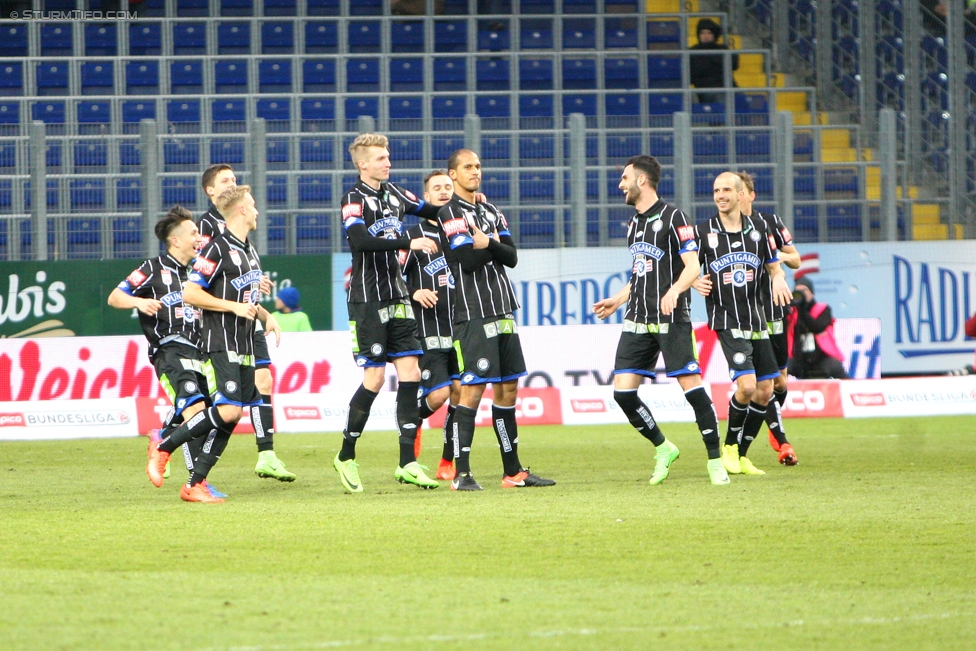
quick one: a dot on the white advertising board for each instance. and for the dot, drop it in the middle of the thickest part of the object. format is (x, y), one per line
(68, 419)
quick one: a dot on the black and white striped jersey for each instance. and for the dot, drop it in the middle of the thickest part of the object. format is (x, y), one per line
(211, 225)
(733, 260)
(782, 236)
(657, 237)
(162, 279)
(376, 275)
(483, 288)
(430, 271)
(229, 269)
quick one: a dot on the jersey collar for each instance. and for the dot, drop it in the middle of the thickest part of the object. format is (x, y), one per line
(720, 227)
(652, 213)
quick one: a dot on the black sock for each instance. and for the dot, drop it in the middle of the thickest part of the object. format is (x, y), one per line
(506, 431)
(198, 426)
(774, 419)
(213, 446)
(262, 417)
(737, 416)
(639, 415)
(780, 396)
(191, 450)
(754, 421)
(448, 453)
(706, 419)
(407, 420)
(424, 409)
(464, 418)
(359, 406)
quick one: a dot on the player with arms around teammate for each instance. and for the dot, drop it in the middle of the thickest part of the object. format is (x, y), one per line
(485, 337)
(225, 283)
(431, 286)
(217, 179)
(662, 243)
(733, 249)
(775, 316)
(172, 328)
(381, 318)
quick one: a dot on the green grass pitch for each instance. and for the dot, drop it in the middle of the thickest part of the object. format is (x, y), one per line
(867, 544)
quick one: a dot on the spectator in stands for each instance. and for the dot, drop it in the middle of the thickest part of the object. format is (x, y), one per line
(413, 7)
(708, 64)
(935, 13)
(810, 336)
(289, 315)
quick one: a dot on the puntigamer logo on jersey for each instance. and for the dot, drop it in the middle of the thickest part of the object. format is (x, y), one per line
(253, 276)
(730, 259)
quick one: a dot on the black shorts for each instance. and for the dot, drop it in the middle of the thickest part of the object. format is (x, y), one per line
(179, 368)
(231, 379)
(489, 350)
(262, 357)
(438, 368)
(641, 343)
(382, 331)
(777, 337)
(748, 354)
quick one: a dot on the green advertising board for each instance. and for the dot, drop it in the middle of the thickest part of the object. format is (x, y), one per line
(68, 298)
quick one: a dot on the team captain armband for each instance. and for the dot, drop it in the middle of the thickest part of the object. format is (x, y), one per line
(454, 226)
(686, 233)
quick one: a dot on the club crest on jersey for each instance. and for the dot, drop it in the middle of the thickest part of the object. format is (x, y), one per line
(394, 201)
(642, 266)
(738, 258)
(646, 248)
(373, 204)
(205, 266)
(658, 225)
(455, 226)
(738, 277)
(136, 278)
(253, 276)
(235, 257)
(167, 276)
(713, 240)
(438, 265)
(755, 236)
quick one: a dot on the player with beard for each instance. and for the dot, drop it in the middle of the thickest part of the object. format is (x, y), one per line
(658, 320)
(775, 318)
(217, 179)
(733, 248)
(485, 335)
(381, 317)
(431, 287)
(225, 284)
(171, 327)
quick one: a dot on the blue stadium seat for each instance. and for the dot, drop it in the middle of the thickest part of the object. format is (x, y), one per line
(806, 223)
(663, 71)
(277, 190)
(278, 153)
(86, 194)
(619, 33)
(94, 112)
(493, 74)
(621, 147)
(663, 34)
(450, 36)
(232, 111)
(153, 9)
(358, 106)
(134, 111)
(579, 33)
(537, 228)
(91, 154)
(84, 235)
(278, 37)
(844, 223)
(804, 183)
(704, 184)
(97, 78)
(366, 8)
(101, 39)
(709, 114)
(9, 113)
(52, 202)
(493, 106)
(181, 153)
(51, 112)
(407, 36)
(276, 110)
(623, 110)
(314, 191)
(763, 181)
(803, 146)
(364, 36)
(535, 74)
(127, 236)
(230, 76)
(128, 194)
(236, 8)
(407, 74)
(234, 38)
(710, 147)
(180, 190)
(145, 39)
(11, 78)
(316, 112)
(8, 156)
(227, 150)
(183, 110)
(443, 147)
(363, 75)
(52, 78)
(189, 38)
(579, 74)
(537, 149)
(662, 147)
(452, 107)
(496, 151)
(535, 33)
(538, 109)
(493, 38)
(13, 40)
(318, 76)
(186, 77)
(142, 77)
(753, 147)
(664, 103)
(192, 8)
(321, 37)
(316, 153)
(323, 8)
(450, 74)
(274, 76)
(407, 152)
(842, 180)
(280, 8)
(537, 187)
(621, 73)
(406, 113)
(753, 103)
(585, 104)
(537, 7)
(312, 234)
(497, 186)
(57, 40)
(581, 6)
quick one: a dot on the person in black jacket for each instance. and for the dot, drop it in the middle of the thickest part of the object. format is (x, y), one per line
(810, 328)
(708, 64)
